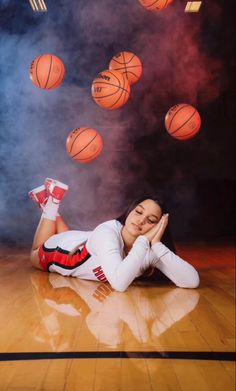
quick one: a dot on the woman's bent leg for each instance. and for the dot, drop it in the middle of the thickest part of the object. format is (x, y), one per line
(34, 259)
(44, 231)
(46, 228)
(48, 223)
(61, 226)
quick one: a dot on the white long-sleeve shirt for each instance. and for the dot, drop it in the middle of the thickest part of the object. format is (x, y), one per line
(109, 263)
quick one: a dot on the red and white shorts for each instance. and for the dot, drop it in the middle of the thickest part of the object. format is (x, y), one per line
(57, 250)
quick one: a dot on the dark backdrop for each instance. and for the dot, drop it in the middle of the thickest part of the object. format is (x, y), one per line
(186, 58)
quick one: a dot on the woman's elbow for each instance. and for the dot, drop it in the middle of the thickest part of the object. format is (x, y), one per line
(191, 281)
(119, 286)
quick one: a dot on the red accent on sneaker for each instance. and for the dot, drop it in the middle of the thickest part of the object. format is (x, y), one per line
(39, 196)
(55, 189)
(57, 192)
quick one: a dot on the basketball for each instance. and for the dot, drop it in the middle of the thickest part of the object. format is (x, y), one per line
(47, 71)
(110, 89)
(182, 121)
(155, 5)
(128, 64)
(84, 144)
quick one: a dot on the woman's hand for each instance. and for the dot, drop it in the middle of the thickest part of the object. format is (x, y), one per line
(162, 224)
(155, 234)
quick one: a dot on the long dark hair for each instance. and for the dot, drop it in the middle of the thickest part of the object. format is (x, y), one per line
(167, 239)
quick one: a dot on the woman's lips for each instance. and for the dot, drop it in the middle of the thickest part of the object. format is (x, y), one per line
(136, 227)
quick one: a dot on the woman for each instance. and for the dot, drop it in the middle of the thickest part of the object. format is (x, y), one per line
(115, 252)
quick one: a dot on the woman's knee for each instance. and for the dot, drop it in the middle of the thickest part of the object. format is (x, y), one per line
(34, 259)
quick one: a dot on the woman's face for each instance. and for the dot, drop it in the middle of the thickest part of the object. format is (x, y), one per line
(143, 217)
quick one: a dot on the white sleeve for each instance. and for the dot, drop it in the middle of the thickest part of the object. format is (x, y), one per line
(106, 245)
(175, 268)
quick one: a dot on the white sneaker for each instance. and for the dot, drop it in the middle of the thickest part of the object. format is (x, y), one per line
(39, 196)
(55, 189)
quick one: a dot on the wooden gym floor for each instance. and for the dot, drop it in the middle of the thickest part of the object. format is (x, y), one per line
(60, 333)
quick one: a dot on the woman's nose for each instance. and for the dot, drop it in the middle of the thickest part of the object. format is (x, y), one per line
(141, 220)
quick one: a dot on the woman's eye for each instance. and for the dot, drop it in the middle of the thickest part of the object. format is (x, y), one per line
(137, 211)
(152, 221)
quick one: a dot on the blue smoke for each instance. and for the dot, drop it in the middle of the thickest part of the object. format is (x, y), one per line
(35, 123)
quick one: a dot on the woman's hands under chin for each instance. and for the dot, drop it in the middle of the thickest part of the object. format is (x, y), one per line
(154, 235)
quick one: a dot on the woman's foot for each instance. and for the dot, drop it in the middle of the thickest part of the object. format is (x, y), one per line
(55, 189)
(39, 196)
(51, 187)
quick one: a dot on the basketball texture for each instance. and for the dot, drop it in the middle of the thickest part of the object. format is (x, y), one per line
(47, 71)
(128, 64)
(84, 144)
(155, 5)
(110, 89)
(182, 121)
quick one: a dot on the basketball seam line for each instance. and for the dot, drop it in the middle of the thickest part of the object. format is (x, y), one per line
(113, 59)
(187, 134)
(62, 67)
(50, 67)
(76, 138)
(129, 66)
(150, 5)
(166, 4)
(130, 72)
(121, 92)
(92, 156)
(119, 97)
(176, 130)
(118, 62)
(119, 88)
(106, 96)
(180, 108)
(85, 146)
(131, 58)
(133, 74)
(37, 71)
(114, 76)
(124, 64)
(124, 101)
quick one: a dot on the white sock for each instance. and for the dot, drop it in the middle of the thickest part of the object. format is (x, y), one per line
(50, 210)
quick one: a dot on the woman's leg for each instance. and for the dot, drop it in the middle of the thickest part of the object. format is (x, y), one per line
(46, 228)
(61, 226)
(48, 224)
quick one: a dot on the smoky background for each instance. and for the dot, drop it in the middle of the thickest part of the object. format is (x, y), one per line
(186, 58)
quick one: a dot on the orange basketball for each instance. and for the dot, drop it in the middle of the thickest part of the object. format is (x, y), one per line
(155, 5)
(182, 121)
(128, 64)
(84, 144)
(110, 89)
(47, 71)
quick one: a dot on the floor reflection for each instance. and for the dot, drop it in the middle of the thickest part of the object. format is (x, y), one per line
(138, 316)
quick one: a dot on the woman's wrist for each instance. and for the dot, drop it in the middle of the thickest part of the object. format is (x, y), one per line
(153, 243)
(155, 240)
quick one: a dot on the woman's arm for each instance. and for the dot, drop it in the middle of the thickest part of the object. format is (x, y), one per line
(106, 244)
(175, 268)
